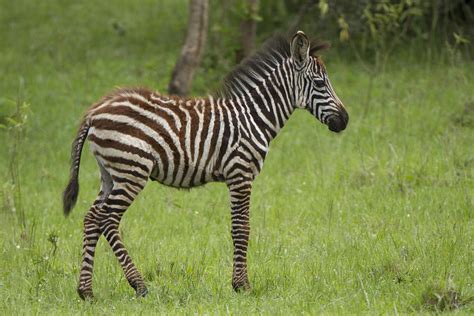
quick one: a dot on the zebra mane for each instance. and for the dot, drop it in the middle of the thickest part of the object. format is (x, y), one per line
(261, 64)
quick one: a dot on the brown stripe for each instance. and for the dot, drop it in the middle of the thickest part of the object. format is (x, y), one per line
(225, 143)
(204, 132)
(213, 141)
(129, 181)
(154, 125)
(108, 143)
(130, 172)
(127, 129)
(124, 161)
(150, 108)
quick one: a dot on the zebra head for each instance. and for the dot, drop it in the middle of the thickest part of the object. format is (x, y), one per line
(312, 87)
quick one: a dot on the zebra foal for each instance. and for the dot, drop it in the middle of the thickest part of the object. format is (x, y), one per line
(136, 135)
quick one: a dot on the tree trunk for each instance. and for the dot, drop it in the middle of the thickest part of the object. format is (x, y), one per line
(248, 30)
(192, 51)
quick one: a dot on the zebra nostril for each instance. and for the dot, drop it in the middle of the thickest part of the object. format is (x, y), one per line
(334, 124)
(338, 123)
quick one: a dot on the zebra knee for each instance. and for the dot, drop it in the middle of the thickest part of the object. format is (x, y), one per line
(109, 226)
(91, 224)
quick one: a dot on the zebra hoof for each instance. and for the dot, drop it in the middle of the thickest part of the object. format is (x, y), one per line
(241, 286)
(142, 292)
(85, 294)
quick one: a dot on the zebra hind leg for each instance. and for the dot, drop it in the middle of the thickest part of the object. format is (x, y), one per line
(91, 236)
(118, 201)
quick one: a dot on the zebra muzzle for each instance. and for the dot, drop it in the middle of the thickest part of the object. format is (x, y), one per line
(338, 123)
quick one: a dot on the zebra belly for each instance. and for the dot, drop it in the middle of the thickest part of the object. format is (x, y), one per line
(190, 176)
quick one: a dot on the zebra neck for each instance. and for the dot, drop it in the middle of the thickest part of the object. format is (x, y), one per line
(265, 104)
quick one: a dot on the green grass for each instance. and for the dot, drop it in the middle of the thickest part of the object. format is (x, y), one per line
(376, 220)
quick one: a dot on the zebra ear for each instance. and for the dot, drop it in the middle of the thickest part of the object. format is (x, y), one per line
(300, 47)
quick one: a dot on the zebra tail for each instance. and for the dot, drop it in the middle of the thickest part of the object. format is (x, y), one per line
(72, 190)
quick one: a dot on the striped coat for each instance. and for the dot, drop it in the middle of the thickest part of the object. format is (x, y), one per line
(137, 134)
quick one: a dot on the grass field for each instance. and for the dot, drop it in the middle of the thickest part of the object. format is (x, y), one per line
(379, 219)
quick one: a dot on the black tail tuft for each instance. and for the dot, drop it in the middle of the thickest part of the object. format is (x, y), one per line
(72, 190)
(70, 195)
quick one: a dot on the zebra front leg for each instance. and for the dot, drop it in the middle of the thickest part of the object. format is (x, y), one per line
(240, 203)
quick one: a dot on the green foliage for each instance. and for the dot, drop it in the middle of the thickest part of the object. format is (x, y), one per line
(13, 120)
(13, 114)
(369, 30)
(323, 7)
(387, 23)
(244, 11)
(377, 26)
(344, 29)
